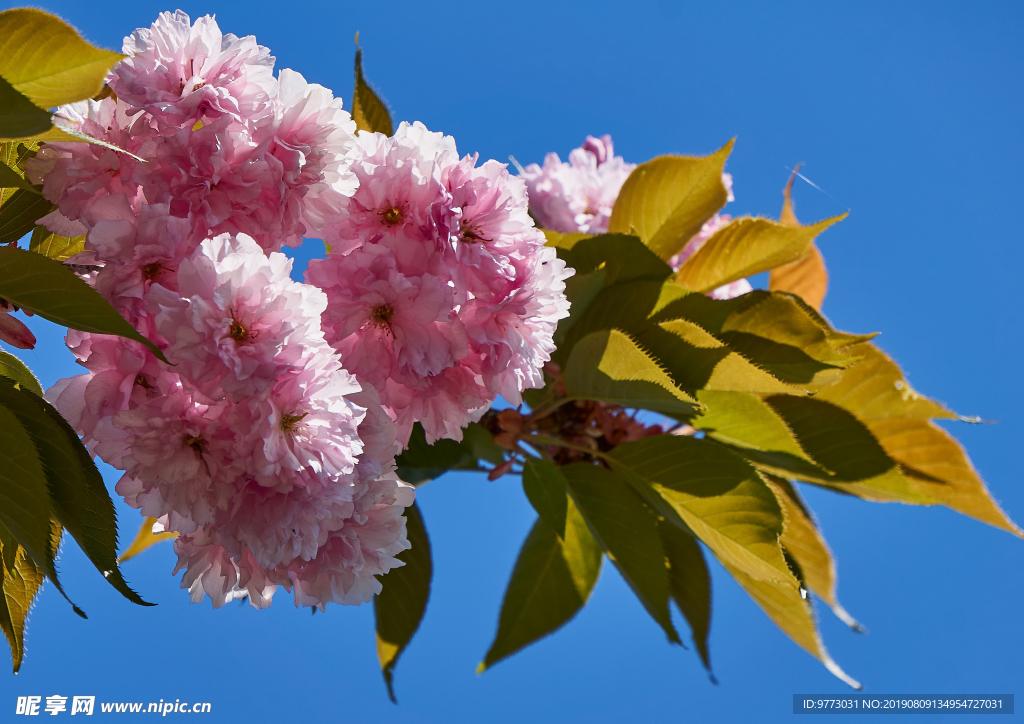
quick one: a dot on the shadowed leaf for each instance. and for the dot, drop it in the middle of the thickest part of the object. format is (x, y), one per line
(421, 462)
(807, 548)
(746, 421)
(52, 291)
(609, 366)
(19, 116)
(19, 214)
(14, 369)
(9, 178)
(400, 605)
(627, 531)
(552, 580)
(545, 488)
(368, 110)
(937, 467)
(666, 200)
(697, 360)
(624, 258)
(78, 499)
(700, 485)
(840, 443)
(690, 583)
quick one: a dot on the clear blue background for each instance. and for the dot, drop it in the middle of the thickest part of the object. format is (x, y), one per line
(907, 114)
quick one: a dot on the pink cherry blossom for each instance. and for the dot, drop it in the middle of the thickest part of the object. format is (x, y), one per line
(578, 195)
(177, 71)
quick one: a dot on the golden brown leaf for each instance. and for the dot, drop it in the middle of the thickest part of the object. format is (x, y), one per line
(807, 277)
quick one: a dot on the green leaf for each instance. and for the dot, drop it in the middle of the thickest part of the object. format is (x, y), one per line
(78, 498)
(368, 110)
(623, 306)
(840, 443)
(145, 539)
(875, 388)
(627, 531)
(479, 443)
(51, 290)
(9, 178)
(19, 214)
(697, 360)
(611, 367)
(666, 200)
(745, 247)
(421, 462)
(788, 609)
(564, 241)
(14, 369)
(700, 485)
(545, 488)
(552, 580)
(24, 498)
(690, 583)
(624, 258)
(807, 550)
(55, 246)
(21, 581)
(47, 60)
(937, 467)
(746, 421)
(400, 605)
(19, 116)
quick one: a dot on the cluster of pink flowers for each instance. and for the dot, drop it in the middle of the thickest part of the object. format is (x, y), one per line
(578, 196)
(272, 461)
(441, 292)
(269, 443)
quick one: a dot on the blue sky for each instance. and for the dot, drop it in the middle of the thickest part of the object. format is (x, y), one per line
(907, 114)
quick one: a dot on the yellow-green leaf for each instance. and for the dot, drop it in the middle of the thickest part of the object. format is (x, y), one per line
(666, 200)
(875, 388)
(14, 369)
(55, 246)
(21, 581)
(368, 110)
(788, 609)
(552, 580)
(47, 60)
(399, 607)
(627, 531)
(806, 547)
(690, 583)
(609, 366)
(697, 360)
(145, 539)
(745, 247)
(746, 421)
(716, 494)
